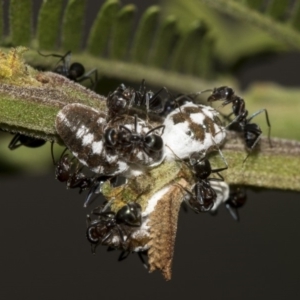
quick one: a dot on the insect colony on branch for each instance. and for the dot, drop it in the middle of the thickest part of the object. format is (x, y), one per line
(152, 155)
(124, 143)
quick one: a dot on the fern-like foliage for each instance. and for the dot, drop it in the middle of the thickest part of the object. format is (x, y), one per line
(255, 25)
(158, 46)
(181, 45)
(156, 50)
(158, 42)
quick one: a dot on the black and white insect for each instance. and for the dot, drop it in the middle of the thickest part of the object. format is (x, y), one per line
(251, 131)
(108, 148)
(136, 142)
(73, 71)
(204, 196)
(113, 229)
(24, 140)
(192, 128)
(82, 130)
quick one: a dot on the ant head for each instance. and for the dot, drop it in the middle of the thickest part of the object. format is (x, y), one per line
(118, 101)
(154, 142)
(222, 92)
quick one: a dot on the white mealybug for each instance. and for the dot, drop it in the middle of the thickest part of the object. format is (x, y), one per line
(192, 128)
(81, 128)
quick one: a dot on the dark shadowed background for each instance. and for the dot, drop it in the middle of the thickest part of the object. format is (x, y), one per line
(44, 253)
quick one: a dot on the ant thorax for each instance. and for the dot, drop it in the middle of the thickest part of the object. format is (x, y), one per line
(192, 128)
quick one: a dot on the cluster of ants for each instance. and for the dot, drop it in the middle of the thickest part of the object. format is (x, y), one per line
(113, 228)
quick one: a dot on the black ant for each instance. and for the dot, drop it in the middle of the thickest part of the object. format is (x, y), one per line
(66, 171)
(74, 71)
(123, 98)
(252, 131)
(109, 228)
(127, 140)
(203, 197)
(120, 100)
(24, 140)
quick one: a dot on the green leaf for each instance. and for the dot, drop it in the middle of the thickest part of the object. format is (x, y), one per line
(20, 22)
(144, 36)
(72, 29)
(187, 51)
(246, 33)
(102, 27)
(50, 13)
(255, 4)
(295, 20)
(279, 30)
(164, 43)
(120, 40)
(278, 9)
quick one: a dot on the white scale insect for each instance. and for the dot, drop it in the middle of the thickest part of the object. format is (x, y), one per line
(192, 128)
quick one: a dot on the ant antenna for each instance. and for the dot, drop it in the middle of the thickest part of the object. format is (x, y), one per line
(52, 153)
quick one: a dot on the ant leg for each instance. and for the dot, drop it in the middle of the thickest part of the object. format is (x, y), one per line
(92, 191)
(267, 119)
(65, 59)
(124, 254)
(161, 104)
(14, 142)
(156, 128)
(221, 169)
(145, 264)
(191, 97)
(88, 76)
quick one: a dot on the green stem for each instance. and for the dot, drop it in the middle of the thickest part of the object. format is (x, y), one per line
(32, 110)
